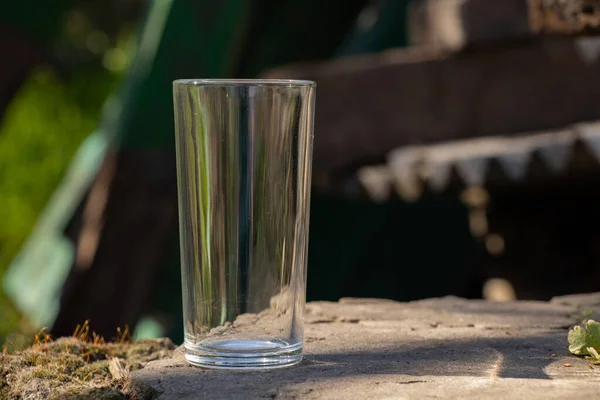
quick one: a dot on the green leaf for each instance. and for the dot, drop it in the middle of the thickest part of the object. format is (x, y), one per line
(594, 357)
(582, 338)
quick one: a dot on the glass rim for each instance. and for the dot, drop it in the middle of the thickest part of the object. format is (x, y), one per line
(245, 82)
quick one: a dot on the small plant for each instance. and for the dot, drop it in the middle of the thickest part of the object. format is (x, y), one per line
(82, 331)
(585, 341)
(123, 335)
(42, 337)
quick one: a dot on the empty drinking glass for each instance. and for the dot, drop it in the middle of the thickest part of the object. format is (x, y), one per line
(244, 150)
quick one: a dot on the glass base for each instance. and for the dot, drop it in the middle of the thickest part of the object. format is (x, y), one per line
(244, 354)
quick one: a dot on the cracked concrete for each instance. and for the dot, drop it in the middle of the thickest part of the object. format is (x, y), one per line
(438, 348)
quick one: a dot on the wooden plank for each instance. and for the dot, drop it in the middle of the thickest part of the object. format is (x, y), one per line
(369, 105)
(454, 24)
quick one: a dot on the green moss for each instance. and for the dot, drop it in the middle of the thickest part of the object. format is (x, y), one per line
(93, 370)
(69, 368)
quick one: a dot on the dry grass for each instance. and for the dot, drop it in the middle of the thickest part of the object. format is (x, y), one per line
(77, 367)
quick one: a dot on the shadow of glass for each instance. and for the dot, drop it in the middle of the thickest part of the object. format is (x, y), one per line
(510, 357)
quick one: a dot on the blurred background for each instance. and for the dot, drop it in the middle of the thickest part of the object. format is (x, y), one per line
(456, 149)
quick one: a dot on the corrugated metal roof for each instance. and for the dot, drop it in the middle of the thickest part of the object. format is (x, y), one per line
(411, 170)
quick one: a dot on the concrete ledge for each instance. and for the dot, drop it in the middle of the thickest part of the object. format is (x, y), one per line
(444, 348)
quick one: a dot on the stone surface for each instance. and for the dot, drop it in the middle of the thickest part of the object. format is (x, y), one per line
(439, 348)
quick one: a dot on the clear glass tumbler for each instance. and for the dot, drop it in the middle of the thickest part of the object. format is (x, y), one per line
(244, 152)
